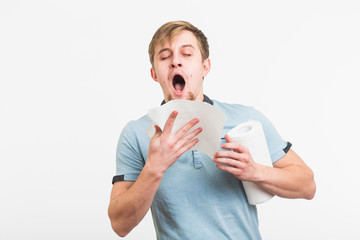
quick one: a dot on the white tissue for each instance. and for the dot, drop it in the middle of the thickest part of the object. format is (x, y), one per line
(211, 121)
(251, 135)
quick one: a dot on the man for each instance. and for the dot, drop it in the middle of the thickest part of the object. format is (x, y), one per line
(192, 196)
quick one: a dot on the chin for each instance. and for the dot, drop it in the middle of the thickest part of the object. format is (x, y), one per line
(189, 96)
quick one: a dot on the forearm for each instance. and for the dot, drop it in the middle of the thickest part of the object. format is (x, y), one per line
(289, 177)
(128, 208)
(294, 181)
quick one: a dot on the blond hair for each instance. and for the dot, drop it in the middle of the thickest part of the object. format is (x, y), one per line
(170, 29)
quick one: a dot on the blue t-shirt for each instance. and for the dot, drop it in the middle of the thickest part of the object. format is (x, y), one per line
(195, 199)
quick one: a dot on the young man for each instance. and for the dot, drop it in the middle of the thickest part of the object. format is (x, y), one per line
(192, 196)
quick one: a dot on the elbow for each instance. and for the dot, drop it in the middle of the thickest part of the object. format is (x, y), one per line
(118, 227)
(311, 189)
(121, 232)
(311, 193)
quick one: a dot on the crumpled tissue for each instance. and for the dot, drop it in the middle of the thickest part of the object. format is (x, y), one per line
(211, 120)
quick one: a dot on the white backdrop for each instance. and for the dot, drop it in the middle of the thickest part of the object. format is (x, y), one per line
(73, 73)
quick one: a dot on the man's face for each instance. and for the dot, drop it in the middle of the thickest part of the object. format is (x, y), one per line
(179, 68)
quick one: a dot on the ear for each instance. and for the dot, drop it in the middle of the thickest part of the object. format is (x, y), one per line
(153, 74)
(207, 66)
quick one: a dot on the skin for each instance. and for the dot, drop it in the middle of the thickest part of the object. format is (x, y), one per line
(180, 56)
(130, 201)
(289, 177)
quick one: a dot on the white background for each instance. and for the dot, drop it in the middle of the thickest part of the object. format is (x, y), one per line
(73, 73)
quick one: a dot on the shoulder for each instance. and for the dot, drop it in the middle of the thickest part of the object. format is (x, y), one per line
(231, 107)
(235, 113)
(239, 110)
(140, 123)
(135, 129)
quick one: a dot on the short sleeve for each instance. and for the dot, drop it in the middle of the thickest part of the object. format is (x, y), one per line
(129, 161)
(277, 146)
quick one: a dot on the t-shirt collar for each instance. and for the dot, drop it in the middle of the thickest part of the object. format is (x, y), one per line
(206, 99)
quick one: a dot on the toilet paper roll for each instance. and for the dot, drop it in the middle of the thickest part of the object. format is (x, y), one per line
(251, 135)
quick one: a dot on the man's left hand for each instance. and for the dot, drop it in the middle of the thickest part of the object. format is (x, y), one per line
(238, 162)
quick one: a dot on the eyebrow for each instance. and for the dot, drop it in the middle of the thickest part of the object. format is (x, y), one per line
(187, 45)
(168, 49)
(163, 50)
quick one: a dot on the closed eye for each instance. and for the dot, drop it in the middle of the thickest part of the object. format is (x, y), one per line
(165, 57)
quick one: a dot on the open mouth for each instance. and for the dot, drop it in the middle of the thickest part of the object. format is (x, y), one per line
(178, 83)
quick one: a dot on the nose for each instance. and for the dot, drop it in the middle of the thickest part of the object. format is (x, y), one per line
(175, 65)
(176, 62)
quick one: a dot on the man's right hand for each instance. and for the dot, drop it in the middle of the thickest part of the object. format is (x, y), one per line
(166, 147)
(131, 200)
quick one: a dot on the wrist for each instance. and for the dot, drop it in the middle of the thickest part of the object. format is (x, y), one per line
(260, 174)
(153, 170)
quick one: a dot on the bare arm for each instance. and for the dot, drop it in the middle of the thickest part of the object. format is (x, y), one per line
(130, 201)
(289, 178)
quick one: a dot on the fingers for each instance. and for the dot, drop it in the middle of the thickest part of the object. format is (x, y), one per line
(186, 142)
(228, 139)
(233, 162)
(185, 139)
(157, 131)
(187, 146)
(179, 141)
(231, 144)
(232, 158)
(229, 169)
(184, 129)
(229, 161)
(170, 122)
(231, 154)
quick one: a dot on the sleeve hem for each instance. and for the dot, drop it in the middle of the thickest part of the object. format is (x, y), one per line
(287, 148)
(277, 155)
(125, 177)
(280, 153)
